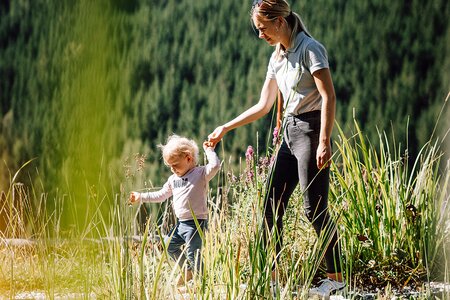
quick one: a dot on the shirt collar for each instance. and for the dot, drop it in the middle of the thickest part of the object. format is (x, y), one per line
(298, 40)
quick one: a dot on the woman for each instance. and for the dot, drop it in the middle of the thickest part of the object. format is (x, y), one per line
(299, 68)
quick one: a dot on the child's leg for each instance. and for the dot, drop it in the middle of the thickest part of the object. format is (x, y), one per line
(174, 241)
(193, 244)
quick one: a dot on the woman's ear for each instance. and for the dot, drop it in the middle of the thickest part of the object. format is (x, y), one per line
(281, 21)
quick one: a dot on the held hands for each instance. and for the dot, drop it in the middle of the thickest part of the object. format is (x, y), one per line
(208, 145)
(134, 198)
(323, 156)
(217, 135)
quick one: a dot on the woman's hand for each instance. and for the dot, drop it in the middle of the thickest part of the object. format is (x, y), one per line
(324, 84)
(208, 145)
(217, 135)
(134, 197)
(323, 156)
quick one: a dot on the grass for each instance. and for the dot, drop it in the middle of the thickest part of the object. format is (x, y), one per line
(395, 217)
(392, 219)
(392, 212)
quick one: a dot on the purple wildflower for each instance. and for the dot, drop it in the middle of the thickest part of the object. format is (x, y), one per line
(249, 153)
(250, 176)
(275, 136)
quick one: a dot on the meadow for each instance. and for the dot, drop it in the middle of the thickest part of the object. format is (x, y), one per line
(393, 221)
(89, 88)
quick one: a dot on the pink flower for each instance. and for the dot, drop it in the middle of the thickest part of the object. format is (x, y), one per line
(275, 136)
(250, 176)
(275, 132)
(249, 153)
(272, 159)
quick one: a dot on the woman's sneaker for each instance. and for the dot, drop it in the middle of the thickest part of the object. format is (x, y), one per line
(326, 288)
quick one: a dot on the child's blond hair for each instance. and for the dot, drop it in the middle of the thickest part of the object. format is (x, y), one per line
(177, 146)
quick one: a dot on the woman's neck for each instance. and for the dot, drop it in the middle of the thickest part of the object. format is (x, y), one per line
(286, 39)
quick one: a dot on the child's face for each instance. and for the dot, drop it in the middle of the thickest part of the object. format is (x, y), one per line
(180, 165)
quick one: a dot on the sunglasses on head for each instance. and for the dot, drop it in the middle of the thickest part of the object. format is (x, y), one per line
(257, 3)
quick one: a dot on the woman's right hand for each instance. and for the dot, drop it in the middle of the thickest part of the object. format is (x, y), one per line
(134, 197)
(217, 135)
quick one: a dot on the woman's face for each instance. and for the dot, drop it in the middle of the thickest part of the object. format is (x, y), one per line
(267, 30)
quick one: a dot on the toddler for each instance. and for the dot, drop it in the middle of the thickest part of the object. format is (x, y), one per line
(188, 185)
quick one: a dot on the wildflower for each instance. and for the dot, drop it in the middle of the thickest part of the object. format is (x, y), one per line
(263, 165)
(250, 176)
(249, 153)
(276, 134)
(249, 162)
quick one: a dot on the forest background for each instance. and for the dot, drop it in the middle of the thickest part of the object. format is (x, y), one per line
(85, 86)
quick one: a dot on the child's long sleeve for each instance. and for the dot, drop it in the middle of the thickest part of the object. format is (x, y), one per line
(158, 196)
(190, 190)
(213, 165)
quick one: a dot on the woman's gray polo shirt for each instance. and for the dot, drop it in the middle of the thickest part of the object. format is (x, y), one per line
(293, 73)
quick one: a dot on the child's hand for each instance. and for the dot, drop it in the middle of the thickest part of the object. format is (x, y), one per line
(208, 145)
(134, 197)
(217, 134)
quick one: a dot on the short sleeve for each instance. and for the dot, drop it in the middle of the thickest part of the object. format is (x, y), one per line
(316, 57)
(271, 74)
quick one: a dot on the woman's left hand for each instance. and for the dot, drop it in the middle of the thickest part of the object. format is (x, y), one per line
(323, 156)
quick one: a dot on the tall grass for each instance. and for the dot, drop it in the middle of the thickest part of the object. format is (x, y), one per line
(392, 219)
(392, 215)
(35, 256)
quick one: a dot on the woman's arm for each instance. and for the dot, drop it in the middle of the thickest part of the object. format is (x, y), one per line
(265, 103)
(325, 86)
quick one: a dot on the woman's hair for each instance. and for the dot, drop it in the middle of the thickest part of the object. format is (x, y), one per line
(269, 10)
(177, 146)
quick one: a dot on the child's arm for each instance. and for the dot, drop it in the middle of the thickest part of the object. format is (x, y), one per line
(155, 197)
(134, 197)
(213, 165)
